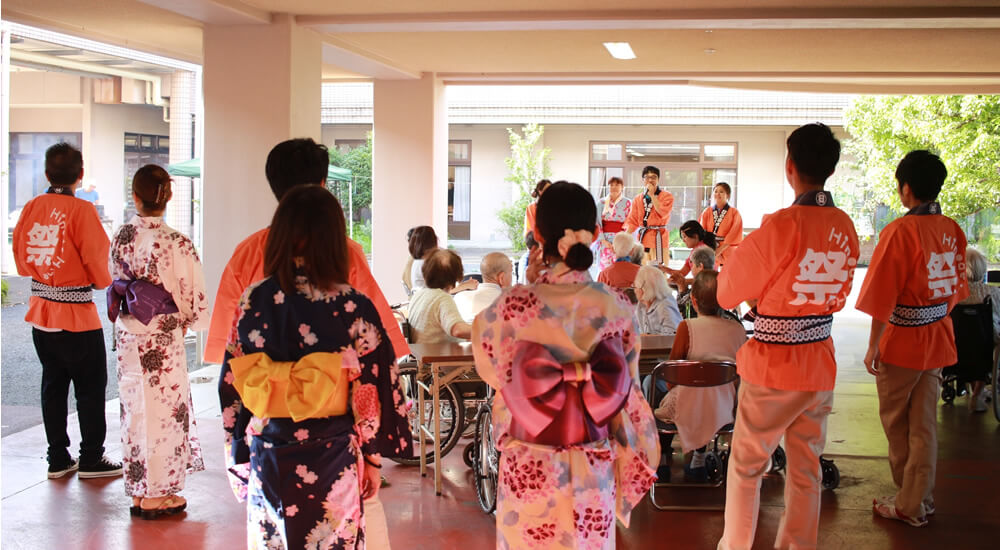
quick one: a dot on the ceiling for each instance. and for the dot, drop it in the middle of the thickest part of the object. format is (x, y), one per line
(915, 46)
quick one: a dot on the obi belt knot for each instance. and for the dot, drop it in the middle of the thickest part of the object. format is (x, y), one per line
(140, 299)
(315, 386)
(561, 404)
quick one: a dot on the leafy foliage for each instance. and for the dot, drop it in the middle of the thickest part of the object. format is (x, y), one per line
(963, 130)
(526, 165)
(359, 162)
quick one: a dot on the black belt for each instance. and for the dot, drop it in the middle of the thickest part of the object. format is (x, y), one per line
(918, 316)
(62, 294)
(792, 330)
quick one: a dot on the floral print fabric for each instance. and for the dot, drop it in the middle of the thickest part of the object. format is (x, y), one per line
(301, 480)
(159, 440)
(565, 497)
(609, 212)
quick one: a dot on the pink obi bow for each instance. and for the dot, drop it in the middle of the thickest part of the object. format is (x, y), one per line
(564, 404)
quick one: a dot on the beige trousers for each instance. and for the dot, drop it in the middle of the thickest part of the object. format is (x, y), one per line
(763, 416)
(907, 404)
(376, 530)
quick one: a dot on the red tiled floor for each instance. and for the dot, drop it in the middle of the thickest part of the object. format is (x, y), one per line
(93, 514)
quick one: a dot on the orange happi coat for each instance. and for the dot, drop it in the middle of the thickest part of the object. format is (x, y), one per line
(247, 266)
(729, 232)
(659, 215)
(919, 261)
(59, 241)
(799, 263)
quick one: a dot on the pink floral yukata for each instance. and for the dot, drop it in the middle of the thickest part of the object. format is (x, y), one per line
(612, 218)
(565, 497)
(159, 443)
(301, 479)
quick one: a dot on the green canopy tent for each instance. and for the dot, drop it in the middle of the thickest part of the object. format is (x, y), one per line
(192, 169)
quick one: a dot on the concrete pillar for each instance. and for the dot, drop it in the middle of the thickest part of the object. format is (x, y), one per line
(179, 214)
(409, 172)
(261, 85)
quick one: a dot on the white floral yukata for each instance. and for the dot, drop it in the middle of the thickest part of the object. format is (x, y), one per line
(565, 497)
(301, 479)
(159, 442)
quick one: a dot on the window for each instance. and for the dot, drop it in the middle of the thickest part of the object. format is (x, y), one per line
(345, 145)
(140, 150)
(687, 170)
(459, 189)
(27, 165)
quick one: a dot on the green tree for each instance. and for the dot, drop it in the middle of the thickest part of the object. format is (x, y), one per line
(359, 162)
(526, 165)
(356, 200)
(963, 130)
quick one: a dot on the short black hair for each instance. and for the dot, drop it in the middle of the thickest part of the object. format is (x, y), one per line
(299, 161)
(924, 172)
(565, 206)
(63, 164)
(814, 151)
(308, 228)
(725, 187)
(651, 170)
(442, 269)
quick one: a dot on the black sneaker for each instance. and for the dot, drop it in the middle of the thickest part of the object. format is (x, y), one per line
(103, 468)
(58, 470)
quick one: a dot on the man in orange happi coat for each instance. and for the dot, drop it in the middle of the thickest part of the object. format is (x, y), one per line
(650, 214)
(916, 276)
(290, 163)
(60, 243)
(798, 269)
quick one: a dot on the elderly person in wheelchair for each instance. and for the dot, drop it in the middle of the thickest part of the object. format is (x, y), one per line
(975, 336)
(697, 412)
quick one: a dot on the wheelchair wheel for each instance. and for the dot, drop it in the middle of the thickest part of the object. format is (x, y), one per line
(831, 474)
(469, 455)
(995, 382)
(486, 467)
(778, 460)
(714, 469)
(452, 415)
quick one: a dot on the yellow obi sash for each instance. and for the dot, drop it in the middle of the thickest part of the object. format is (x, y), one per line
(315, 386)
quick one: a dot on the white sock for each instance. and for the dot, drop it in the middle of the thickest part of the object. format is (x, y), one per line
(697, 459)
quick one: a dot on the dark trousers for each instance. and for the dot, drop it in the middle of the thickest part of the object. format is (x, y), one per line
(76, 357)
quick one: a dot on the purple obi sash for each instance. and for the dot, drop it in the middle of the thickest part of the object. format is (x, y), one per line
(140, 299)
(565, 404)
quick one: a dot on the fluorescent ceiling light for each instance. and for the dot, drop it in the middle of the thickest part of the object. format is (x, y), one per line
(620, 50)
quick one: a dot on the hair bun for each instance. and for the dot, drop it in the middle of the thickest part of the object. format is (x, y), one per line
(579, 257)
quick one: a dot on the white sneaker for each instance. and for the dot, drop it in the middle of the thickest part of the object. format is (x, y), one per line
(980, 402)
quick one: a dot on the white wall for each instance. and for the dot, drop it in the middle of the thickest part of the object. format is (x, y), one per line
(57, 102)
(490, 192)
(761, 185)
(760, 164)
(104, 149)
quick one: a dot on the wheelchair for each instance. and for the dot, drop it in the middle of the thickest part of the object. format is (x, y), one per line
(457, 399)
(706, 374)
(973, 328)
(485, 458)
